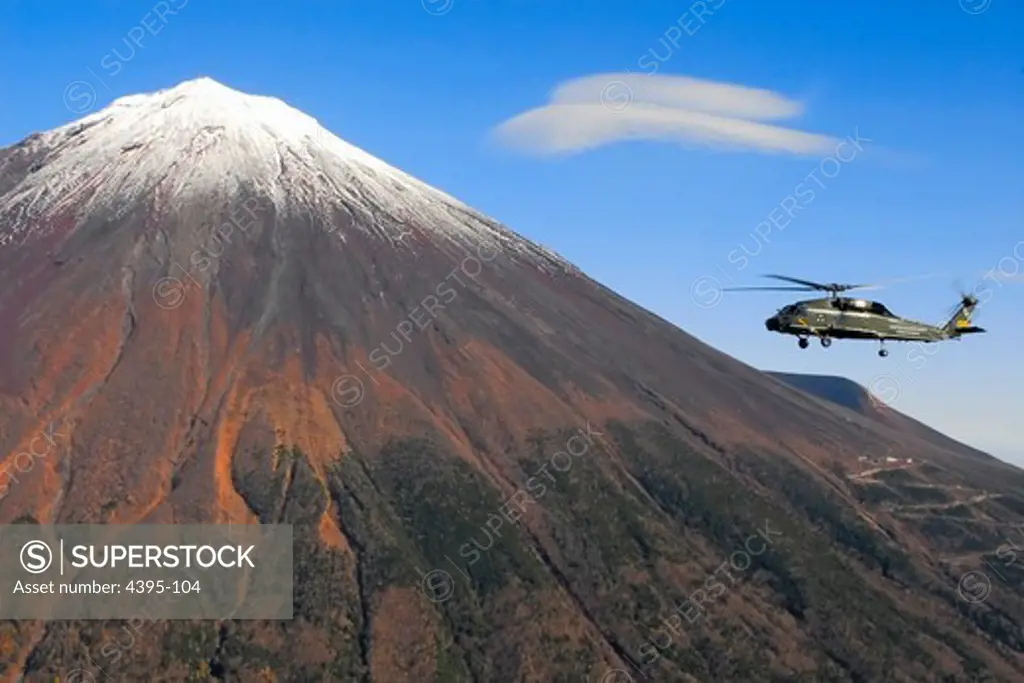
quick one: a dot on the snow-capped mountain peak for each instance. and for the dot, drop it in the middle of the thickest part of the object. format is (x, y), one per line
(201, 140)
(205, 103)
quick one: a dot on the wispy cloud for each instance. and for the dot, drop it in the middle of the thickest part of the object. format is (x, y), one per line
(598, 110)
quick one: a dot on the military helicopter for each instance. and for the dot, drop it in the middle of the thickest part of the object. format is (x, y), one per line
(840, 317)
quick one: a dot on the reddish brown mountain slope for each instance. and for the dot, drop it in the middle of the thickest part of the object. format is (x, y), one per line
(849, 394)
(374, 362)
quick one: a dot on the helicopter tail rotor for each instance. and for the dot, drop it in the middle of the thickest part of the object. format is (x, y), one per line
(991, 281)
(959, 319)
(967, 300)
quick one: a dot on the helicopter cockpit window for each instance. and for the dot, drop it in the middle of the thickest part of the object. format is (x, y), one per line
(879, 309)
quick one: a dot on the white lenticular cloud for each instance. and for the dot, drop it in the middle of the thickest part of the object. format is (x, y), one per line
(601, 109)
(680, 92)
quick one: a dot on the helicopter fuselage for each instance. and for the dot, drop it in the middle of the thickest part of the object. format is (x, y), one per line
(846, 318)
(840, 317)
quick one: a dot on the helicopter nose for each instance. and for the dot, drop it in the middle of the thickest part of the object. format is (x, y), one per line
(772, 324)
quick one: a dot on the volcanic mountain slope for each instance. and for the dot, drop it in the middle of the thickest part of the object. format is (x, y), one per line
(497, 469)
(848, 394)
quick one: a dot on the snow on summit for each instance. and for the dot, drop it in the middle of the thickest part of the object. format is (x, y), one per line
(203, 137)
(202, 140)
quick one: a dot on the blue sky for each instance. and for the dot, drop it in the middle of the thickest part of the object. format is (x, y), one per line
(937, 90)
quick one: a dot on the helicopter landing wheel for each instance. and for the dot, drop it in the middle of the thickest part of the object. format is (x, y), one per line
(883, 352)
(826, 342)
(803, 343)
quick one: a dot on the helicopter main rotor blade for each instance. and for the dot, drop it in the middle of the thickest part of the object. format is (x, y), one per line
(912, 278)
(805, 283)
(895, 281)
(833, 287)
(768, 289)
